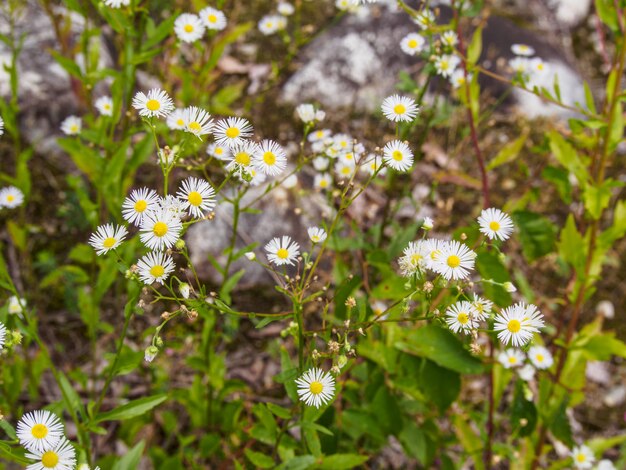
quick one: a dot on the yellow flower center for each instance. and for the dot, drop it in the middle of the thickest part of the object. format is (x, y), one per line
(282, 253)
(74, 128)
(319, 134)
(434, 254)
(495, 226)
(269, 158)
(512, 360)
(462, 318)
(157, 270)
(316, 388)
(232, 132)
(153, 105)
(219, 151)
(180, 122)
(315, 238)
(50, 459)
(539, 357)
(159, 229)
(454, 261)
(188, 28)
(10, 198)
(323, 183)
(107, 107)
(412, 43)
(348, 156)
(212, 19)
(399, 109)
(581, 458)
(443, 65)
(514, 326)
(346, 170)
(195, 126)
(243, 158)
(416, 258)
(39, 431)
(194, 198)
(540, 67)
(397, 155)
(141, 205)
(108, 243)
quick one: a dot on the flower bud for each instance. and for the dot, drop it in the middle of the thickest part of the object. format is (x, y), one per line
(150, 353)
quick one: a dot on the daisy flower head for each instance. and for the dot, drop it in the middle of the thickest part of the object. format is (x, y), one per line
(526, 372)
(176, 120)
(455, 262)
(156, 266)
(197, 121)
(432, 250)
(321, 163)
(282, 251)
(116, 3)
(156, 103)
(107, 237)
(221, 152)
(461, 317)
(138, 204)
(213, 19)
(449, 39)
(481, 306)
(241, 157)
(495, 224)
(39, 430)
(373, 165)
(317, 234)
(160, 229)
(520, 65)
(285, 8)
(399, 108)
(540, 357)
(398, 155)
(316, 387)
(517, 324)
(425, 19)
(3, 334)
(269, 158)
(413, 259)
(582, 457)
(457, 78)
(60, 456)
(271, 24)
(446, 64)
(173, 205)
(16, 305)
(319, 135)
(104, 105)
(72, 125)
(232, 131)
(198, 197)
(11, 197)
(309, 113)
(412, 44)
(522, 49)
(344, 169)
(511, 358)
(188, 27)
(322, 181)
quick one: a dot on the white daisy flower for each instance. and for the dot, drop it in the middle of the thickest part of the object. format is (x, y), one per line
(271, 24)
(16, 305)
(516, 324)
(540, 357)
(526, 372)
(446, 64)
(425, 19)
(188, 27)
(413, 259)
(241, 157)
(538, 67)
(347, 5)
(457, 78)
(232, 131)
(523, 50)
(282, 251)
(322, 181)
(213, 19)
(582, 457)
(455, 262)
(173, 205)
(399, 108)
(342, 142)
(61, 456)
(319, 135)
(116, 3)
(285, 8)
(11, 197)
(449, 38)
(412, 44)
(344, 169)
(378, 307)
(150, 353)
(511, 358)
(520, 65)
(72, 125)
(270, 158)
(160, 229)
(432, 250)
(107, 237)
(321, 163)
(39, 430)
(3, 334)
(197, 121)
(184, 289)
(316, 387)
(198, 197)
(176, 120)
(156, 266)
(461, 317)
(495, 224)
(605, 464)
(307, 113)
(374, 164)
(427, 224)
(156, 103)
(317, 234)
(481, 306)
(398, 155)
(138, 204)
(104, 105)
(221, 152)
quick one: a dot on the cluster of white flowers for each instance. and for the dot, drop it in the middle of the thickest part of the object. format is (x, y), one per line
(190, 27)
(583, 458)
(41, 433)
(11, 197)
(450, 259)
(531, 70)
(275, 22)
(539, 358)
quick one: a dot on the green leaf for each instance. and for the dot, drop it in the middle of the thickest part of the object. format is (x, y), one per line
(85, 158)
(475, 47)
(559, 424)
(69, 65)
(132, 409)
(442, 386)
(279, 411)
(608, 15)
(567, 156)
(597, 198)
(417, 443)
(302, 462)
(342, 461)
(131, 459)
(312, 440)
(559, 178)
(470, 441)
(571, 245)
(523, 412)
(509, 152)
(490, 266)
(537, 234)
(442, 347)
(230, 284)
(259, 460)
